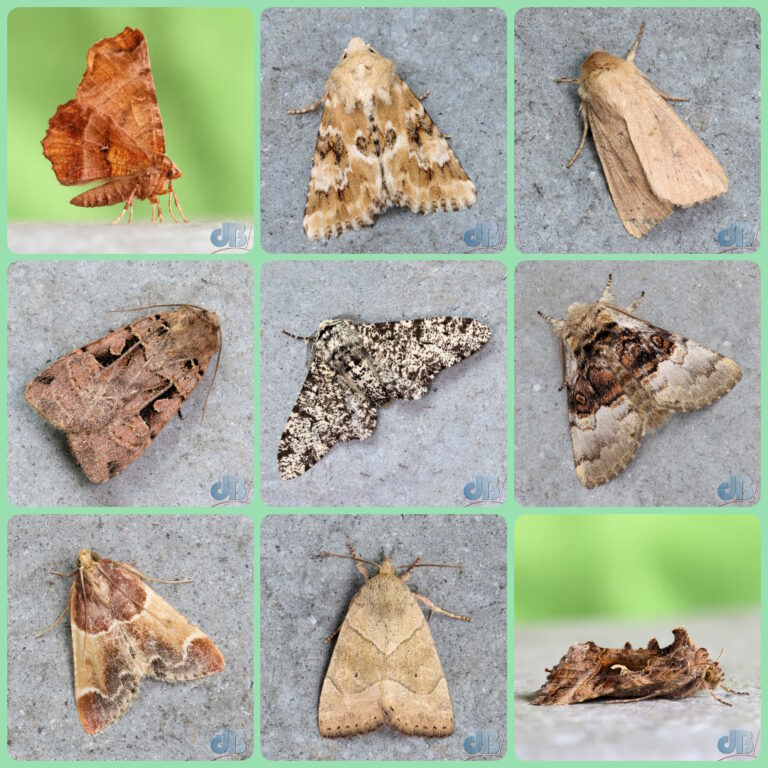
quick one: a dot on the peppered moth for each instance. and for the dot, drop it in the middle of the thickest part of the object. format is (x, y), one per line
(358, 367)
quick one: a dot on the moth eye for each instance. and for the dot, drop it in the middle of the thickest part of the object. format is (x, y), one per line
(371, 49)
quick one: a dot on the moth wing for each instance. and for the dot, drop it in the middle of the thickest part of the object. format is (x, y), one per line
(410, 353)
(678, 373)
(573, 678)
(639, 209)
(118, 84)
(167, 646)
(327, 411)
(385, 673)
(606, 426)
(679, 167)
(420, 170)
(345, 183)
(86, 145)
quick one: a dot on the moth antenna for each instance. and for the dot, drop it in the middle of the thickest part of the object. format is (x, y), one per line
(61, 616)
(636, 303)
(581, 144)
(417, 564)
(730, 690)
(299, 338)
(631, 54)
(606, 296)
(407, 574)
(64, 575)
(215, 371)
(358, 560)
(131, 569)
(568, 80)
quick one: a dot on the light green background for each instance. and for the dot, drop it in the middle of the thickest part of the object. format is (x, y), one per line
(205, 87)
(203, 67)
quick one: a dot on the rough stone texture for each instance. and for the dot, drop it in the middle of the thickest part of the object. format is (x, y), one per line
(711, 55)
(422, 452)
(657, 729)
(459, 54)
(305, 598)
(55, 307)
(683, 462)
(167, 721)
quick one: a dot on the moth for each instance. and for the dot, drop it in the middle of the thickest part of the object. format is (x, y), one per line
(359, 367)
(589, 672)
(112, 131)
(624, 377)
(384, 668)
(122, 630)
(651, 159)
(376, 147)
(112, 396)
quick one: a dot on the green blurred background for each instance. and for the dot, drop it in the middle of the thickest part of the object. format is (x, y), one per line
(203, 67)
(625, 566)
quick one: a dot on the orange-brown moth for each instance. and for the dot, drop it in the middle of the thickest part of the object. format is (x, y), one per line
(114, 395)
(651, 159)
(112, 131)
(123, 630)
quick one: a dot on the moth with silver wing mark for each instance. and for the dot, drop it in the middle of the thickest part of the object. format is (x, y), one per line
(624, 377)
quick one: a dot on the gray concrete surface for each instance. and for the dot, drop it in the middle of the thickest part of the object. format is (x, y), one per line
(683, 463)
(458, 54)
(55, 307)
(711, 55)
(658, 729)
(422, 452)
(166, 721)
(141, 236)
(305, 598)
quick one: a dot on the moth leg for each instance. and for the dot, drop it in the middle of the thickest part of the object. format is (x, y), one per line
(128, 205)
(407, 575)
(717, 698)
(360, 566)
(436, 609)
(304, 110)
(172, 191)
(730, 690)
(583, 139)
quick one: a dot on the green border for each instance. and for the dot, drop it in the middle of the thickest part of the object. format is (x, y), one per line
(510, 509)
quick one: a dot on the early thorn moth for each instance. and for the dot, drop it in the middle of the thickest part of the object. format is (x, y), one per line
(651, 159)
(385, 668)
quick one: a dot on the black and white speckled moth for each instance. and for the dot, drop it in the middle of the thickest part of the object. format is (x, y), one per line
(651, 159)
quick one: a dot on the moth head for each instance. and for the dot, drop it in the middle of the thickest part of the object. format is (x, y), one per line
(86, 558)
(581, 319)
(386, 568)
(170, 169)
(357, 45)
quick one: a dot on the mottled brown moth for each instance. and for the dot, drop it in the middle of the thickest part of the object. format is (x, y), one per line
(651, 159)
(122, 630)
(589, 672)
(376, 147)
(385, 668)
(113, 396)
(624, 377)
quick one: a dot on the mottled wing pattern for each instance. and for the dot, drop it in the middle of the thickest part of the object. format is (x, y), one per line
(408, 354)
(638, 207)
(345, 184)
(327, 411)
(606, 424)
(420, 170)
(679, 374)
